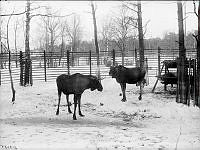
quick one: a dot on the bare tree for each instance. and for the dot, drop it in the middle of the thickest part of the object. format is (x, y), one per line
(197, 37)
(0, 38)
(63, 34)
(137, 23)
(95, 38)
(10, 71)
(73, 30)
(181, 94)
(52, 24)
(107, 33)
(53, 29)
(122, 30)
(27, 47)
(141, 34)
(16, 24)
(3, 40)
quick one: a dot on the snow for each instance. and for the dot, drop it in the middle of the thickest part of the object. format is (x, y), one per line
(155, 122)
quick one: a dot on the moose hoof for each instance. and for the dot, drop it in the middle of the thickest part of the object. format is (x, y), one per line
(120, 94)
(140, 97)
(57, 112)
(74, 118)
(70, 111)
(123, 100)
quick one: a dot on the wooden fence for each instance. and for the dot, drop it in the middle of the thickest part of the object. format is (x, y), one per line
(46, 66)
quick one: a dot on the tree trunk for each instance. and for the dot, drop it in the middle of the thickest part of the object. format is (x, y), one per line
(52, 50)
(27, 48)
(15, 28)
(182, 57)
(61, 50)
(141, 43)
(198, 60)
(1, 55)
(47, 37)
(140, 31)
(73, 50)
(123, 51)
(11, 79)
(10, 71)
(95, 38)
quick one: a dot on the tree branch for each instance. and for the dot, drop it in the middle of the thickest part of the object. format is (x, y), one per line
(16, 14)
(195, 36)
(7, 31)
(45, 15)
(130, 8)
(195, 8)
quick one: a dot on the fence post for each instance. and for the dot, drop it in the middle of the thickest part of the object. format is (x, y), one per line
(26, 76)
(195, 84)
(0, 76)
(146, 68)
(189, 83)
(9, 56)
(31, 75)
(68, 62)
(21, 67)
(90, 61)
(159, 73)
(16, 59)
(45, 67)
(178, 82)
(113, 52)
(165, 85)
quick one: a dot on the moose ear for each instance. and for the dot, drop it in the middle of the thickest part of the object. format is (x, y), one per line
(93, 77)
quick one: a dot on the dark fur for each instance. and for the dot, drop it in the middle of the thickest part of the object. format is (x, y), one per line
(168, 78)
(125, 75)
(171, 78)
(76, 84)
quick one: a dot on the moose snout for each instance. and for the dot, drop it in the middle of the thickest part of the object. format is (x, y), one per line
(100, 89)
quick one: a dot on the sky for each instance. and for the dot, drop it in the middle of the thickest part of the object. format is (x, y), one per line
(162, 16)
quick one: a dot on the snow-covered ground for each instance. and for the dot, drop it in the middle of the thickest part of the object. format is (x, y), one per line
(155, 122)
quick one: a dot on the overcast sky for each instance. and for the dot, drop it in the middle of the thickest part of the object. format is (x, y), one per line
(162, 16)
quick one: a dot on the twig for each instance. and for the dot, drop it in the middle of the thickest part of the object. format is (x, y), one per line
(16, 14)
(195, 36)
(195, 8)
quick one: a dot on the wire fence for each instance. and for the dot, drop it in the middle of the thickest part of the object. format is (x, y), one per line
(46, 66)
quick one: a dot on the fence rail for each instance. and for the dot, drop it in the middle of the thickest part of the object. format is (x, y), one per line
(46, 66)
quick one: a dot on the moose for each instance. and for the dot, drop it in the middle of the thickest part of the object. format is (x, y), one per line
(168, 78)
(125, 75)
(76, 84)
(171, 78)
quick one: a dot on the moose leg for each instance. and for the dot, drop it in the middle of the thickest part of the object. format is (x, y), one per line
(59, 96)
(68, 104)
(123, 87)
(141, 91)
(79, 105)
(75, 105)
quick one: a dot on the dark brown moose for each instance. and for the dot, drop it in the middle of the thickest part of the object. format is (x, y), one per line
(76, 84)
(125, 75)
